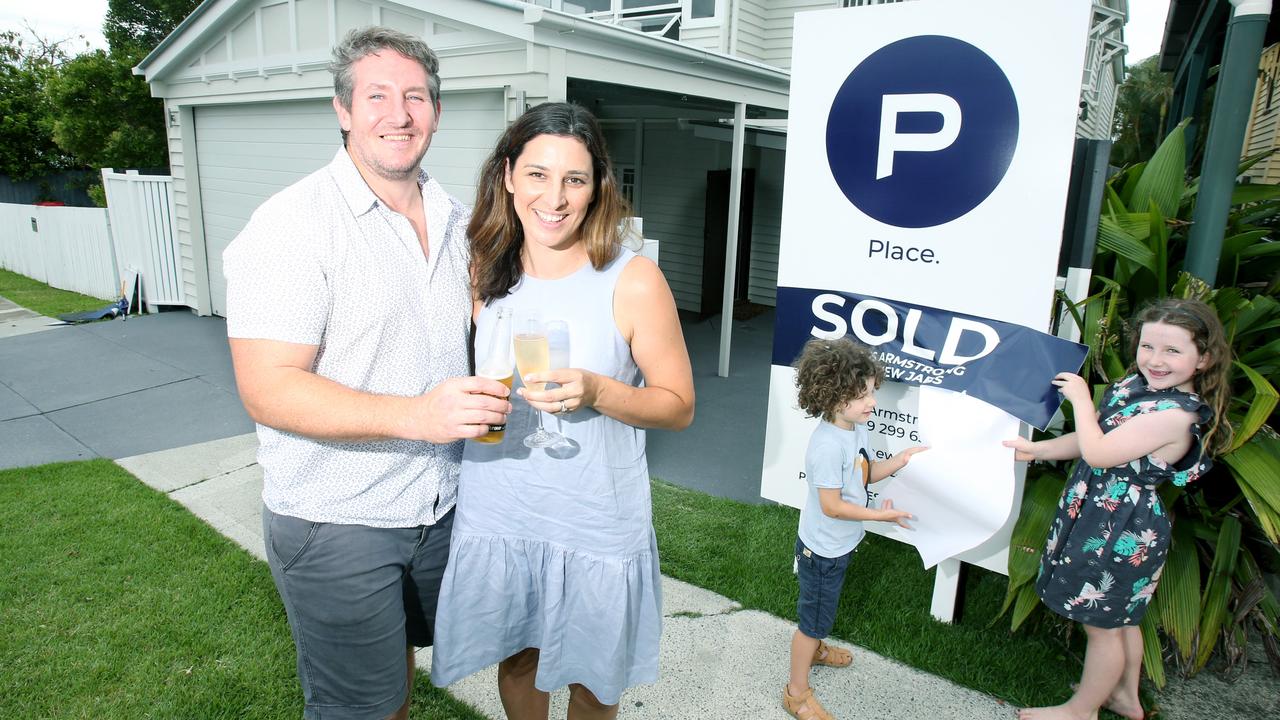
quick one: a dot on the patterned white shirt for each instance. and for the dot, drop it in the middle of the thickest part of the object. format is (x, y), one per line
(324, 262)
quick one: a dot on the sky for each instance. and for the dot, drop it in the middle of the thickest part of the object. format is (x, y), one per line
(57, 19)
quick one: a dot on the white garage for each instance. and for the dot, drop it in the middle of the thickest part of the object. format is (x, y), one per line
(247, 152)
(248, 101)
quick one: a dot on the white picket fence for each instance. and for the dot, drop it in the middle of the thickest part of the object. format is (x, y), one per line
(92, 250)
(64, 247)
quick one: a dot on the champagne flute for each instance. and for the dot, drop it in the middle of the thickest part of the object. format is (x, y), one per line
(497, 364)
(534, 356)
(558, 343)
(558, 346)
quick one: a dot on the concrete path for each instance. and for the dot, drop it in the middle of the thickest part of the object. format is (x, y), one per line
(718, 661)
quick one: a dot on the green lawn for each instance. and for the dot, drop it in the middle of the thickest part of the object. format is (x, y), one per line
(745, 552)
(115, 602)
(35, 295)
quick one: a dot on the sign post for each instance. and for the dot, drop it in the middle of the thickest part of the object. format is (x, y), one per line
(928, 160)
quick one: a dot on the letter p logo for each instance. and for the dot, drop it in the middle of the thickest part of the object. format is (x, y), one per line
(922, 131)
(892, 141)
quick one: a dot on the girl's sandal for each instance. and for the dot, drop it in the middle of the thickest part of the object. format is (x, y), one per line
(831, 656)
(804, 707)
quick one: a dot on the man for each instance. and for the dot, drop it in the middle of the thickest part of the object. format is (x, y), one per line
(348, 312)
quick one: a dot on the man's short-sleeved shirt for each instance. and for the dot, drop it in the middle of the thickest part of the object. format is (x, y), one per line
(324, 262)
(835, 459)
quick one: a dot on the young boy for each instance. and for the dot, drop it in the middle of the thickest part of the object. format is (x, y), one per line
(836, 380)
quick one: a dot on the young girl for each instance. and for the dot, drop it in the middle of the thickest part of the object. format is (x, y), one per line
(837, 381)
(1109, 541)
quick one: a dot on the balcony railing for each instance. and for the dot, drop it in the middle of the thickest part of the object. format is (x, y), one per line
(656, 17)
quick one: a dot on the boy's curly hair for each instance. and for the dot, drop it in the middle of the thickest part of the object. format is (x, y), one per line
(830, 373)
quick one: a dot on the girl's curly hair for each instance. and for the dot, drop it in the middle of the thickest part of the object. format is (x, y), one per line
(830, 373)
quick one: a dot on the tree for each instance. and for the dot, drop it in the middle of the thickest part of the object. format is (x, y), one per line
(1142, 102)
(106, 116)
(142, 24)
(26, 115)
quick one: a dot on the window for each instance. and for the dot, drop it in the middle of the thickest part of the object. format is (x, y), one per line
(626, 178)
(700, 9)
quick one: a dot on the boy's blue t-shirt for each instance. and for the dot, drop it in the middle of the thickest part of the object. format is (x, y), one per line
(835, 459)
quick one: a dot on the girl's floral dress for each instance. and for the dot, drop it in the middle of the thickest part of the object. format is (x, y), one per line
(1109, 541)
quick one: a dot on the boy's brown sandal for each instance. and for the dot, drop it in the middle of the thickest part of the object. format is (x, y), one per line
(831, 656)
(804, 707)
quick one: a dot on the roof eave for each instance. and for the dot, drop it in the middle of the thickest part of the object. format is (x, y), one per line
(190, 20)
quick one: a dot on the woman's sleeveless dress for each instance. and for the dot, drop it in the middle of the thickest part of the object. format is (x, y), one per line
(552, 551)
(1108, 542)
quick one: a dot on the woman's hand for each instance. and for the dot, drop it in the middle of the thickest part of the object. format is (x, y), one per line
(1074, 388)
(577, 389)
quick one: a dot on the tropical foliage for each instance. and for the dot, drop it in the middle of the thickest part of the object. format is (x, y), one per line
(1227, 532)
(1142, 103)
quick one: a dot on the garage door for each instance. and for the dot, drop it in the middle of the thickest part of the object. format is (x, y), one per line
(249, 152)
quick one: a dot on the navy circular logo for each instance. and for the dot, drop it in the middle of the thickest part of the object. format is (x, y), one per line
(922, 131)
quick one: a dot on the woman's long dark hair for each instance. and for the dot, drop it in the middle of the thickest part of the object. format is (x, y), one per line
(495, 230)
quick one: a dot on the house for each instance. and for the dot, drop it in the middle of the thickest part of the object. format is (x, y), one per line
(247, 98)
(1262, 134)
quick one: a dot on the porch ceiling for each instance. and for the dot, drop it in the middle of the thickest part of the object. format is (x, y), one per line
(611, 100)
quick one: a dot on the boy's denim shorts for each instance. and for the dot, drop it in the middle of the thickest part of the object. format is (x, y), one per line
(821, 579)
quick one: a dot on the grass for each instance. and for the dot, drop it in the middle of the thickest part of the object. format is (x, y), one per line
(118, 603)
(35, 295)
(744, 552)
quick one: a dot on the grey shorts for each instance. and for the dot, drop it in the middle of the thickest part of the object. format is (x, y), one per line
(356, 597)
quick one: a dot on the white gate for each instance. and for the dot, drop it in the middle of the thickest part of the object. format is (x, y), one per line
(142, 223)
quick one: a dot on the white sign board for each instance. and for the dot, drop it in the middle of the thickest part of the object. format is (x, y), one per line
(928, 157)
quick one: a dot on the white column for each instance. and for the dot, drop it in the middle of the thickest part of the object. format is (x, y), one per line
(731, 242)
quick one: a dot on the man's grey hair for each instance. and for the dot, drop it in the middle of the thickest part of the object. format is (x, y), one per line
(370, 41)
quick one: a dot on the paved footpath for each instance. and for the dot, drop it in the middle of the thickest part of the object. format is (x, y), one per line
(17, 320)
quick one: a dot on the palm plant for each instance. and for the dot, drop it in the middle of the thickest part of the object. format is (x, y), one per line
(1212, 594)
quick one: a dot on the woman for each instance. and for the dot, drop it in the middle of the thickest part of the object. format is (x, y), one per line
(553, 568)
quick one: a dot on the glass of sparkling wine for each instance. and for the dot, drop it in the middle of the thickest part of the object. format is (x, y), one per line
(497, 364)
(533, 355)
(558, 345)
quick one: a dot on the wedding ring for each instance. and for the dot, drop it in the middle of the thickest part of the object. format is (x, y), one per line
(563, 408)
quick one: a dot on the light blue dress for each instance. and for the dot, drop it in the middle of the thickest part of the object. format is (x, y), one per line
(557, 553)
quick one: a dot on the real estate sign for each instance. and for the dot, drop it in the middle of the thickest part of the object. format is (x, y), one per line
(928, 155)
